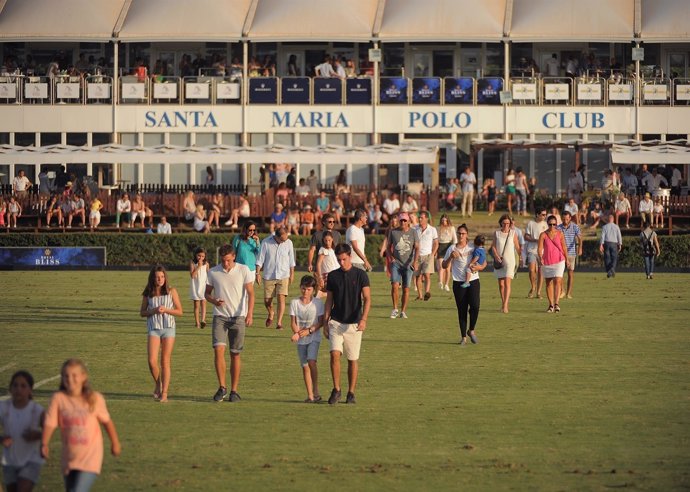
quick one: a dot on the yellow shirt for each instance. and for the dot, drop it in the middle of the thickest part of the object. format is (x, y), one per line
(96, 205)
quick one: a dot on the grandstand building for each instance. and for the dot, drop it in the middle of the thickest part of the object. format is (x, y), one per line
(461, 75)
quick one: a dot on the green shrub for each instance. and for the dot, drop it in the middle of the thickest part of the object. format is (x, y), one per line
(675, 252)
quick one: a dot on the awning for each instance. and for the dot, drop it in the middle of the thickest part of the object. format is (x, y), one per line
(572, 20)
(665, 21)
(222, 154)
(442, 20)
(184, 21)
(310, 20)
(66, 20)
(675, 152)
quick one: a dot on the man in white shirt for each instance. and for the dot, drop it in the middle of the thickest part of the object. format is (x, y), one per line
(230, 288)
(20, 185)
(164, 226)
(646, 179)
(658, 179)
(552, 66)
(532, 232)
(467, 181)
(325, 69)
(391, 206)
(427, 237)
(629, 182)
(676, 181)
(354, 236)
(410, 206)
(277, 260)
(339, 69)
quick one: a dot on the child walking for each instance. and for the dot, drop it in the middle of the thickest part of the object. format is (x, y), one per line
(478, 258)
(198, 270)
(326, 261)
(21, 419)
(78, 410)
(306, 319)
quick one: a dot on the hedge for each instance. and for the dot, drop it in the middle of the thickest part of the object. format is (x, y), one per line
(175, 250)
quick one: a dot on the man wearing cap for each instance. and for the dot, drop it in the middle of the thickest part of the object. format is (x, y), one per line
(277, 217)
(328, 222)
(403, 247)
(646, 208)
(354, 236)
(427, 238)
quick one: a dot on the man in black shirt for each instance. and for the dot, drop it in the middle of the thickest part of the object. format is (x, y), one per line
(346, 312)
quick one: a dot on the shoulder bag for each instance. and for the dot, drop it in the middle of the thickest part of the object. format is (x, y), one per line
(499, 264)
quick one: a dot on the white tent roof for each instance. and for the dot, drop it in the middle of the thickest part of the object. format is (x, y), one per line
(182, 20)
(442, 20)
(572, 20)
(675, 152)
(665, 20)
(111, 153)
(310, 20)
(64, 20)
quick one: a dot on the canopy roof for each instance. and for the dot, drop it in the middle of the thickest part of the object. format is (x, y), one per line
(111, 153)
(665, 20)
(656, 152)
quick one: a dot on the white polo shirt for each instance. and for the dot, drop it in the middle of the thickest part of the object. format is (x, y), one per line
(356, 233)
(426, 239)
(276, 259)
(229, 286)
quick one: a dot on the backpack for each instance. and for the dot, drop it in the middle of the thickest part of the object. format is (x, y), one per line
(648, 248)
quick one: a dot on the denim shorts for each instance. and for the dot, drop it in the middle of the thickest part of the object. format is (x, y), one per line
(308, 352)
(164, 333)
(401, 274)
(12, 474)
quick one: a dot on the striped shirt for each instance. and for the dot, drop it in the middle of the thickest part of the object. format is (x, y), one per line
(160, 321)
(571, 233)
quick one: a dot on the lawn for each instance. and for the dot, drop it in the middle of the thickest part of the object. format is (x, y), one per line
(593, 398)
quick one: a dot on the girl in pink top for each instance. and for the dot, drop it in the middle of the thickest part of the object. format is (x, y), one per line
(552, 256)
(78, 411)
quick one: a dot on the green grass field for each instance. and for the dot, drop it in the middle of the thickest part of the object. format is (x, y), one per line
(593, 398)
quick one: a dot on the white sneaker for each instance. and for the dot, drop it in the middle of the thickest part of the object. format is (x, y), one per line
(235, 226)
(403, 315)
(447, 288)
(440, 285)
(228, 222)
(415, 287)
(394, 314)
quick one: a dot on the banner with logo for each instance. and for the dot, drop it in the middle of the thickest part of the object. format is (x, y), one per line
(49, 257)
(393, 90)
(524, 91)
(589, 92)
(426, 90)
(459, 90)
(556, 92)
(358, 91)
(489, 90)
(620, 92)
(263, 90)
(328, 91)
(294, 90)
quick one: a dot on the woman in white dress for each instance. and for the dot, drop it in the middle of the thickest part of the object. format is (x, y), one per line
(505, 249)
(198, 271)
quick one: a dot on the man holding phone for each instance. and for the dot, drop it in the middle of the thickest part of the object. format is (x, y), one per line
(403, 247)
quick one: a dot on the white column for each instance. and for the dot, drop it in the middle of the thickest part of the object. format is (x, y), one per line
(348, 166)
(140, 166)
(191, 168)
(296, 142)
(322, 166)
(89, 143)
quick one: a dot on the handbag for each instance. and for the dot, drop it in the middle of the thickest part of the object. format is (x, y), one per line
(499, 264)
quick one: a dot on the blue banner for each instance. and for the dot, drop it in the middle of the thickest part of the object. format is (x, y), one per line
(263, 90)
(358, 91)
(295, 90)
(328, 91)
(426, 90)
(489, 90)
(57, 257)
(459, 90)
(393, 90)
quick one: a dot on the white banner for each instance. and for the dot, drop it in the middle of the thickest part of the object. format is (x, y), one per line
(524, 92)
(225, 90)
(98, 91)
(8, 91)
(683, 92)
(655, 92)
(133, 90)
(620, 92)
(196, 90)
(36, 91)
(556, 92)
(163, 90)
(68, 91)
(589, 92)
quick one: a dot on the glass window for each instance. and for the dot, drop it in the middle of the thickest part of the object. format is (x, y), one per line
(231, 139)
(494, 60)
(76, 139)
(100, 138)
(181, 139)
(179, 173)
(52, 139)
(309, 139)
(336, 139)
(25, 139)
(153, 173)
(129, 139)
(282, 139)
(153, 139)
(258, 139)
(205, 139)
(361, 139)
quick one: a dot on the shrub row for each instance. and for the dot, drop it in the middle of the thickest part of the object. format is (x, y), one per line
(176, 250)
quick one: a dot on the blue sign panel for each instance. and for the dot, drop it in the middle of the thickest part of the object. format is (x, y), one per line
(263, 90)
(426, 90)
(328, 91)
(57, 257)
(459, 90)
(295, 90)
(358, 91)
(489, 90)
(393, 90)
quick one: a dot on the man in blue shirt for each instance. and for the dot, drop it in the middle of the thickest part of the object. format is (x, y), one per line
(610, 244)
(573, 243)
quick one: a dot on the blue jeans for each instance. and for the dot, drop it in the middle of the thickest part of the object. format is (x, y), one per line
(79, 481)
(521, 199)
(610, 257)
(649, 265)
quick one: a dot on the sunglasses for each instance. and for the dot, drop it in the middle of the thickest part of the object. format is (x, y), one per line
(403, 220)
(543, 215)
(251, 230)
(552, 224)
(330, 222)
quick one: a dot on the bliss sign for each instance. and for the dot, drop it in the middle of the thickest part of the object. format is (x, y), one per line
(573, 120)
(180, 119)
(439, 119)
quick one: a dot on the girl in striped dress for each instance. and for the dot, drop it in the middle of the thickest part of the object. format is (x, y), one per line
(160, 305)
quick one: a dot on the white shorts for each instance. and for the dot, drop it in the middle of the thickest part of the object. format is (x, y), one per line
(553, 271)
(345, 338)
(95, 215)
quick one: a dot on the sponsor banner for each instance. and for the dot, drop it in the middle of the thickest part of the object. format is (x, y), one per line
(620, 92)
(98, 91)
(682, 92)
(164, 90)
(8, 91)
(58, 257)
(294, 90)
(197, 90)
(426, 90)
(358, 91)
(228, 90)
(589, 92)
(36, 91)
(132, 90)
(556, 92)
(328, 91)
(263, 90)
(524, 92)
(459, 90)
(393, 90)
(67, 90)
(655, 92)
(489, 90)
